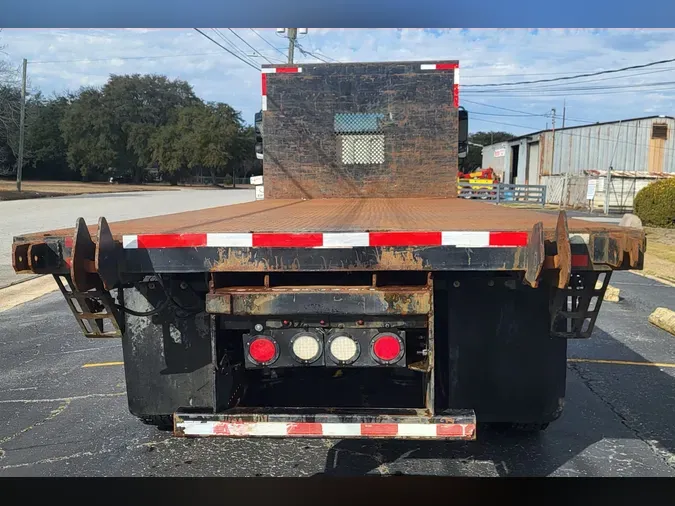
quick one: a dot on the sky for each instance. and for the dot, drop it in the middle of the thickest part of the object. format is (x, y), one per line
(65, 60)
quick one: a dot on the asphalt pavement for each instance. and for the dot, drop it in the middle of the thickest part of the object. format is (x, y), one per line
(42, 215)
(59, 418)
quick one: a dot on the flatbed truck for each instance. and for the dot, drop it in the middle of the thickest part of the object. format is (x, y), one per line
(360, 298)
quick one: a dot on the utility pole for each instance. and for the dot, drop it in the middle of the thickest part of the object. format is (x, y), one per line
(22, 119)
(553, 144)
(564, 108)
(292, 36)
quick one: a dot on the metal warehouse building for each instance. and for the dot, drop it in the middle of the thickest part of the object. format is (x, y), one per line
(641, 145)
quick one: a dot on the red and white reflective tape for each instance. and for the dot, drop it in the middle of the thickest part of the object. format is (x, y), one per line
(460, 239)
(455, 82)
(439, 66)
(329, 430)
(276, 70)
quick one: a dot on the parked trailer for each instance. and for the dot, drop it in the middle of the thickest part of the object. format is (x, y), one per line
(355, 300)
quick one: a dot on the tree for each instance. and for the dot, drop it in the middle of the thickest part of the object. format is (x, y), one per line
(137, 106)
(244, 161)
(89, 135)
(474, 158)
(203, 136)
(45, 147)
(10, 107)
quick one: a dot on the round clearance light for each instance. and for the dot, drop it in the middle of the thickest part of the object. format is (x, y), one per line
(387, 348)
(343, 349)
(263, 350)
(306, 348)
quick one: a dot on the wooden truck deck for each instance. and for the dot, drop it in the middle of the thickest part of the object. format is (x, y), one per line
(342, 215)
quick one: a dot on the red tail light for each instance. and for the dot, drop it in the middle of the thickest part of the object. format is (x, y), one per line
(387, 348)
(263, 350)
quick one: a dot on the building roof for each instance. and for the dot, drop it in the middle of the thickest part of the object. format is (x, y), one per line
(599, 123)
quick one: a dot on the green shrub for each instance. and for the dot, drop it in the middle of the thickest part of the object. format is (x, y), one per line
(655, 204)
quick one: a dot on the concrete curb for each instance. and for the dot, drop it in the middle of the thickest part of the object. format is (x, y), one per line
(20, 293)
(23, 279)
(611, 294)
(664, 319)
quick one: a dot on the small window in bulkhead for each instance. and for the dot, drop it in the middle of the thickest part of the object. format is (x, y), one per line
(660, 131)
(360, 138)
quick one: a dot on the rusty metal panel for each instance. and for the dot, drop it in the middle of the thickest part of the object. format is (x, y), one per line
(417, 121)
(363, 301)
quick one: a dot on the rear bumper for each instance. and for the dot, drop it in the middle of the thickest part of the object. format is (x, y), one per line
(341, 424)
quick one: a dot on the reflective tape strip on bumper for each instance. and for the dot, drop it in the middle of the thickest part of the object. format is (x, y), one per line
(327, 430)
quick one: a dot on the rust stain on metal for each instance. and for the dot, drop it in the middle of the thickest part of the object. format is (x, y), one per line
(535, 255)
(219, 303)
(235, 260)
(563, 257)
(404, 260)
(402, 301)
(82, 264)
(20, 258)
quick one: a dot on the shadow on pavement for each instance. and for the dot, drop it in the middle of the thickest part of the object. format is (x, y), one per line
(604, 403)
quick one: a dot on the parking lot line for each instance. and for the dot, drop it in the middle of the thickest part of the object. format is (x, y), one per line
(573, 360)
(103, 364)
(619, 362)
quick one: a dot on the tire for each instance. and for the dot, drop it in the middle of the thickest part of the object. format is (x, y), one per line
(162, 422)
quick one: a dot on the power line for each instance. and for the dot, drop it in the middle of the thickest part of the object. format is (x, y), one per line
(316, 49)
(305, 52)
(557, 116)
(562, 93)
(223, 47)
(234, 46)
(505, 115)
(567, 78)
(581, 88)
(505, 108)
(467, 73)
(249, 45)
(269, 43)
(122, 58)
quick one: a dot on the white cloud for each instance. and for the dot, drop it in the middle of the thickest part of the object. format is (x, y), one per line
(486, 56)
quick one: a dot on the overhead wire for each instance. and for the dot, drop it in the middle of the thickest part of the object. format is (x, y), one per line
(236, 48)
(269, 43)
(92, 60)
(577, 76)
(249, 45)
(305, 52)
(223, 47)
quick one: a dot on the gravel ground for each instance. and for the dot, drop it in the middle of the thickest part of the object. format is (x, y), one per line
(26, 216)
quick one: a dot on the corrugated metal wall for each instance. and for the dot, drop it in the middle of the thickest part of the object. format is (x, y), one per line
(498, 163)
(626, 146)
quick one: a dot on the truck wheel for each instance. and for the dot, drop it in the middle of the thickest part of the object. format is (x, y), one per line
(162, 422)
